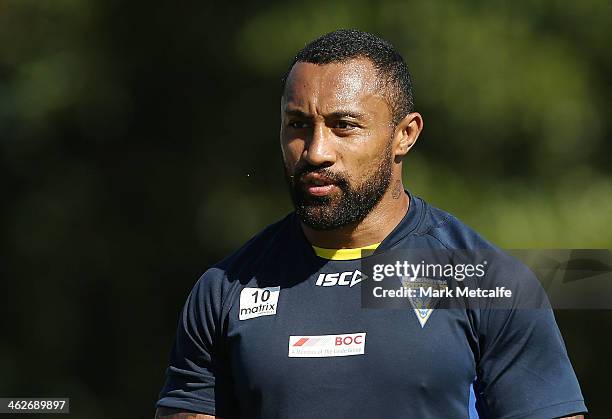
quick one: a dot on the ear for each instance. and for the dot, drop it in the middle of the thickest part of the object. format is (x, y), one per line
(406, 133)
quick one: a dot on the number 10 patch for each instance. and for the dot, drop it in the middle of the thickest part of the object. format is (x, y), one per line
(255, 302)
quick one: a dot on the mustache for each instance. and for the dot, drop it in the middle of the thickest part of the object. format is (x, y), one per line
(337, 178)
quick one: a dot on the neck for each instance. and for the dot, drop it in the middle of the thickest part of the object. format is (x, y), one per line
(377, 225)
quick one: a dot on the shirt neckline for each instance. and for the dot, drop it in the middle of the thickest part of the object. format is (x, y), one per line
(406, 226)
(342, 254)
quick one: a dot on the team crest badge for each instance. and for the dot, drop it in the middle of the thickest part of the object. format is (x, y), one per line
(423, 306)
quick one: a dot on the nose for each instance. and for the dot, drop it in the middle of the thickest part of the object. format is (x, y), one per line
(319, 149)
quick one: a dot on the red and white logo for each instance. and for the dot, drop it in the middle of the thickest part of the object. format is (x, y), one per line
(327, 345)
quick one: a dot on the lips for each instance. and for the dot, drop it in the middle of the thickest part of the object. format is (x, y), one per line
(317, 184)
(316, 179)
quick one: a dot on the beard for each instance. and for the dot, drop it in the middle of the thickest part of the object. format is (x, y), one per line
(349, 206)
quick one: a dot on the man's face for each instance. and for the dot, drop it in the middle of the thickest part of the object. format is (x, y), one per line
(336, 130)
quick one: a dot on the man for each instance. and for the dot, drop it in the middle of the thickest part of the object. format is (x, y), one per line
(277, 329)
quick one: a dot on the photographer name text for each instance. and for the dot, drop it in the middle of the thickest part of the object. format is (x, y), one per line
(430, 292)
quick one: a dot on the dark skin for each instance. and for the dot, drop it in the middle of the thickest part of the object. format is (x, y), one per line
(166, 413)
(337, 116)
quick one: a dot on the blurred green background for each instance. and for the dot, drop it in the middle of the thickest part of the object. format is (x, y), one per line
(139, 145)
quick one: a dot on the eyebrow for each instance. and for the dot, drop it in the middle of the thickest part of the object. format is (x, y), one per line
(340, 113)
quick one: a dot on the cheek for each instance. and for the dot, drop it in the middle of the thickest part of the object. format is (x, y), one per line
(361, 159)
(291, 150)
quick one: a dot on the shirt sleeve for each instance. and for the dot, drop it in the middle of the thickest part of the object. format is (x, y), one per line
(524, 370)
(197, 378)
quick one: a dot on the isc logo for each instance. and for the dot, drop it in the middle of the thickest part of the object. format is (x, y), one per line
(349, 278)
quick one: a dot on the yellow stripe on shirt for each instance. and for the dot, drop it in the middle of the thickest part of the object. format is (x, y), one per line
(342, 254)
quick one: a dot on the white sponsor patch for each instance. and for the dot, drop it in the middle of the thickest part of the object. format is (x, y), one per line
(327, 345)
(256, 302)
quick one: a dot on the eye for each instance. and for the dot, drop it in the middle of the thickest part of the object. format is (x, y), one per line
(343, 125)
(298, 124)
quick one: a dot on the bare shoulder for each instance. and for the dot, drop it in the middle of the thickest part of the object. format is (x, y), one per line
(167, 413)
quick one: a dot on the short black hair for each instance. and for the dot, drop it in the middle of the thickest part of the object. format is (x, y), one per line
(345, 44)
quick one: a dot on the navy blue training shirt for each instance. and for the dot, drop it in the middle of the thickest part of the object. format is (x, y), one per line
(261, 337)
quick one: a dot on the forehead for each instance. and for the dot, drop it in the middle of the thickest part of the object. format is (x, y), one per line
(322, 88)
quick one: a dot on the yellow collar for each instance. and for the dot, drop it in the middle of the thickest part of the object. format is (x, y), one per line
(342, 254)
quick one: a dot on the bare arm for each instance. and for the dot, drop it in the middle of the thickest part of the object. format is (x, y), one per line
(167, 413)
(573, 417)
